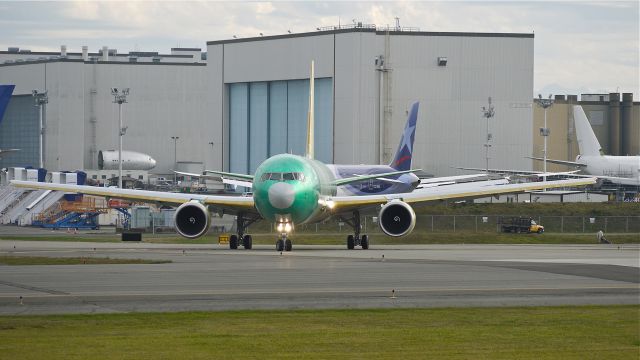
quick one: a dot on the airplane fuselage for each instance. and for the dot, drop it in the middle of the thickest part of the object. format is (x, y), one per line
(613, 166)
(289, 188)
(387, 185)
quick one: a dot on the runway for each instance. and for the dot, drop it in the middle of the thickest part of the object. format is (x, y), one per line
(211, 277)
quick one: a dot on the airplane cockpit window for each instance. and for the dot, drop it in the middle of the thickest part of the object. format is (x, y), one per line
(276, 176)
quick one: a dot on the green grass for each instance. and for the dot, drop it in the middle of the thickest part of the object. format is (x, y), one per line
(39, 260)
(585, 332)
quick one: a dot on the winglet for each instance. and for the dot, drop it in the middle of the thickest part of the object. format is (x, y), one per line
(402, 159)
(310, 120)
(5, 96)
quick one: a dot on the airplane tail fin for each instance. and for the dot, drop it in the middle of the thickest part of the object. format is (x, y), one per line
(5, 96)
(587, 141)
(404, 154)
(310, 119)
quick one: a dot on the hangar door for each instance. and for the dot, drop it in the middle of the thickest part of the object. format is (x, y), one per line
(270, 118)
(19, 130)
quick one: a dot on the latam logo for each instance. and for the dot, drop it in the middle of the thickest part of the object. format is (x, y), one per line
(402, 159)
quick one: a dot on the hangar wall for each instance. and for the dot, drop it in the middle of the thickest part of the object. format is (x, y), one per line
(369, 104)
(165, 100)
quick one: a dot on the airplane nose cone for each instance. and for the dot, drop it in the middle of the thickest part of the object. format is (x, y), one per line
(153, 162)
(281, 195)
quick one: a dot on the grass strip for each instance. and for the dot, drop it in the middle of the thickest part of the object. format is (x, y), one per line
(307, 238)
(41, 260)
(581, 332)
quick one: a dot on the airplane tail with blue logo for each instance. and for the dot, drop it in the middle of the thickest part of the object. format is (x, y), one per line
(5, 96)
(404, 154)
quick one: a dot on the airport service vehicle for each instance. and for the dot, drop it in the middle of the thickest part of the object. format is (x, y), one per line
(290, 190)
(521, 225)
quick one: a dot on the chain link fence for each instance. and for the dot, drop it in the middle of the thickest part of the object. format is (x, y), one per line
(491, 223)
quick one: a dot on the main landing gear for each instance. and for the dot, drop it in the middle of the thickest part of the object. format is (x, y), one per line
(356, 239)
(242, 223)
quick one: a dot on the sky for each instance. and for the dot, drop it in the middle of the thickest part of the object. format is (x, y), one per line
(580, 46)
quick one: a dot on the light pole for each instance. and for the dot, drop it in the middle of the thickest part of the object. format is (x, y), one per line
(120, 97)
(488, 112)
(545, 104)
(175, 159)
(40, 100)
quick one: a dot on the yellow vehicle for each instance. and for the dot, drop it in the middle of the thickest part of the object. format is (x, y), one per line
(521, 225)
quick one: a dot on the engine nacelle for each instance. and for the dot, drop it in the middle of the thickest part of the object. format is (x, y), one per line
(192, 219)
(397, 218)
(131, 160)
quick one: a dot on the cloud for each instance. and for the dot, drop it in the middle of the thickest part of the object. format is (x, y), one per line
(578, 44)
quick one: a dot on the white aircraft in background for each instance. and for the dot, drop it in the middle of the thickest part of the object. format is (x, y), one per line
(623, 170)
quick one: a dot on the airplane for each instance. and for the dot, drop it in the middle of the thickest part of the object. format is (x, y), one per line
(5, 96)
(381, 184)
(290, 190)
(623, 170)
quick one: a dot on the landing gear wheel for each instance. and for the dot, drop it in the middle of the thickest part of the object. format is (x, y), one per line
(287, 245)
(247, 242)
(233, 242)
(280, 245)
(364, 241)
(350, 242)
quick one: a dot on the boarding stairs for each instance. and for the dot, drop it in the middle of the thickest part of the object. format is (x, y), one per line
(9, 201)
(81, 214)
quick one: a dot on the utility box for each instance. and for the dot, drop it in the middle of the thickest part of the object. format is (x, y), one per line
(140, 217)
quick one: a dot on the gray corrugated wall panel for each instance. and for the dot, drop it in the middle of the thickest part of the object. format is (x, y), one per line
(356, 91)
(451, 130)
(279, 59)
(64, 134)
(26, 77)
(164, 101)
(215, 107)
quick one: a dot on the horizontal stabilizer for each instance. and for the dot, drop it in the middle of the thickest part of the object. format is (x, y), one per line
(359, 178)
(561, 162)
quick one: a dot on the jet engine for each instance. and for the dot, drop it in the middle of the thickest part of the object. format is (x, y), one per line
(397, 218)
(192, 219)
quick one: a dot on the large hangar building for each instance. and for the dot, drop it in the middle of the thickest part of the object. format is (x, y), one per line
(248, 100)
(366, 80)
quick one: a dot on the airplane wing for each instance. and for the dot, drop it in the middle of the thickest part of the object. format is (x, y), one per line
(224, 180)
(231, 175)
(341, 204)
(451, 178)
(230, 204)
(359, 178)
(561, 162)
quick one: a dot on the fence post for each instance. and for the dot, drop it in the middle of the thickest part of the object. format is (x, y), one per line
(454, 223)
(476, 223)
(432, 223)
(583, 224)
(605, 224)
(627, 225)
(561, 224)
